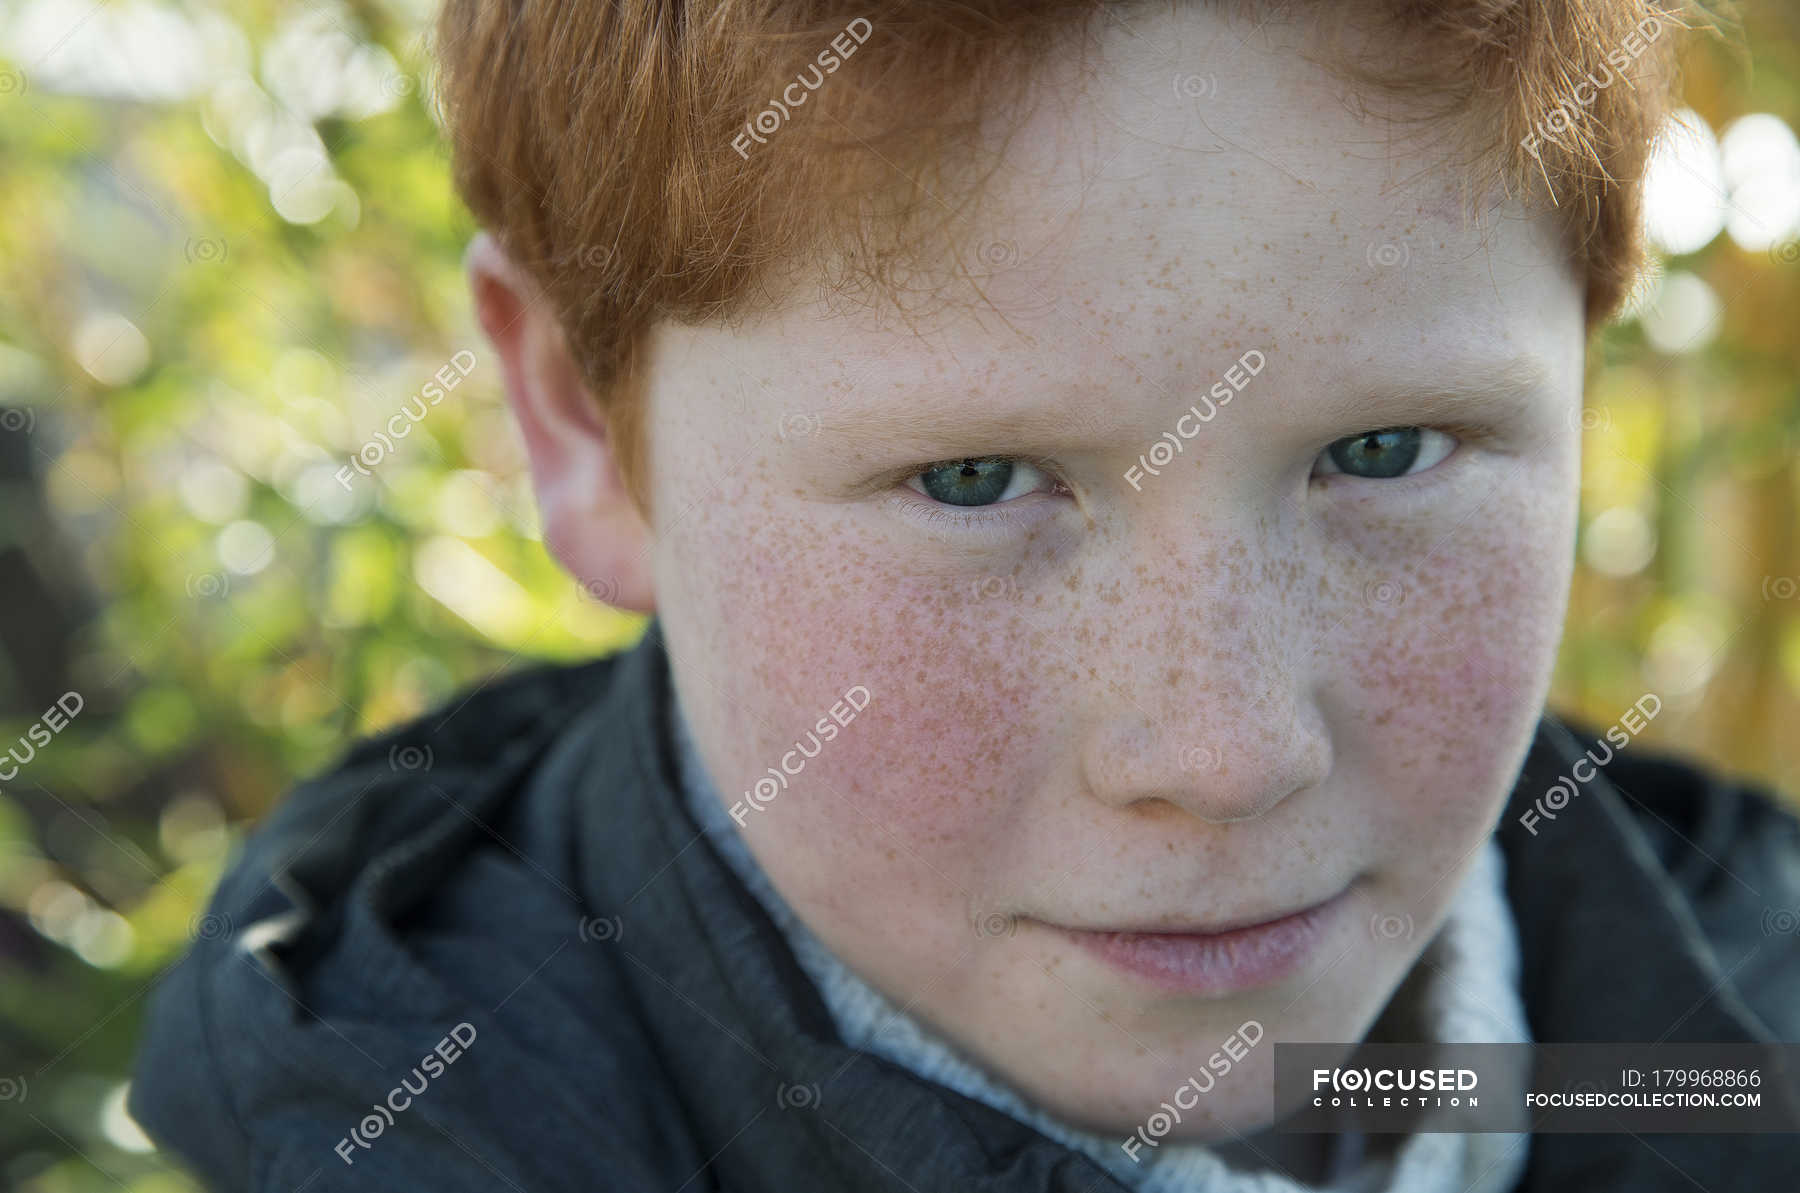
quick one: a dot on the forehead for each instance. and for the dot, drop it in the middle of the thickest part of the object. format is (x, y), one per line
(1192, 186)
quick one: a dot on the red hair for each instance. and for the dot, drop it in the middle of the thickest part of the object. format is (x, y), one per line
(615, 150)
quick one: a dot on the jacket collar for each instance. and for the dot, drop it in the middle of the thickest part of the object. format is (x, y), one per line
(1611, 950)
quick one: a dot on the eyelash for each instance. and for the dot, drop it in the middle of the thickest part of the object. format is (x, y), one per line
(1459, 438)
(976, 516)
(1464, 437)
(961, 518)
(972, 517)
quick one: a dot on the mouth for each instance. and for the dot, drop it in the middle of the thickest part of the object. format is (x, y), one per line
(1216, 959)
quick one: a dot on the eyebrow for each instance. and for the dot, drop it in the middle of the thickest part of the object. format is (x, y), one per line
(1473, 389)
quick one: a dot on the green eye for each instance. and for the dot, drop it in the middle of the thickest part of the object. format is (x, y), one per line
(1384, 454)
(983, 480)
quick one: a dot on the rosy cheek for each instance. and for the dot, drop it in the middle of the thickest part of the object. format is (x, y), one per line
(914, 781)
(1481, 642)
(949, 731)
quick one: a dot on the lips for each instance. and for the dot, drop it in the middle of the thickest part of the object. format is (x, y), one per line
(1225, 959)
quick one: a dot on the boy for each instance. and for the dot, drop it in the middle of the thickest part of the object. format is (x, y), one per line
(1105, 479)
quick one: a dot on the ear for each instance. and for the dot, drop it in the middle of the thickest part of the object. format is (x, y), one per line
(590, 522)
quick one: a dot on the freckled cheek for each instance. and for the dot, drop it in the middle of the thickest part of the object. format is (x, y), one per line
(948, 742)
(1471, 688)
(1510, 620)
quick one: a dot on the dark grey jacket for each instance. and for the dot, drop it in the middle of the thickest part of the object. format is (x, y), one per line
(492, 951)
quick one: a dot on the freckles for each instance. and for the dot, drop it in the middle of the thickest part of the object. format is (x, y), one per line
(952, 723)
(923, 778)
(1449, 714)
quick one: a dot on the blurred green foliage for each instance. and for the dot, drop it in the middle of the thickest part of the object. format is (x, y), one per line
(210, 304)
(229, 252)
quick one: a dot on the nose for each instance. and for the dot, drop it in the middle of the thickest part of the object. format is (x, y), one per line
(1214, 714)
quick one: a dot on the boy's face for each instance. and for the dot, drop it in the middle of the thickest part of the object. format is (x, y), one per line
(1266, 675)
